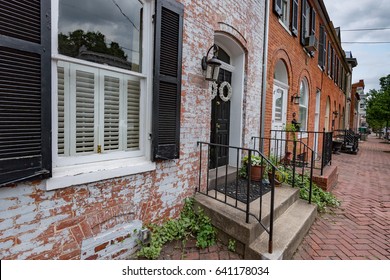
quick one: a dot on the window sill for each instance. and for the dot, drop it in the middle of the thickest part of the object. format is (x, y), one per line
(87, 173)
(285, 27)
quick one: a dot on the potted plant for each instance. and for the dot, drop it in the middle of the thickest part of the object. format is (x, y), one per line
(257, 168)
(292, 129)
(296, 125)
(280, 173)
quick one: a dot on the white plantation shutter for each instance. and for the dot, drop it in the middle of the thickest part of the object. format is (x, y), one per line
(85, 112)
(133, 105)
(111, 113)
(61, 111)
(97, 107)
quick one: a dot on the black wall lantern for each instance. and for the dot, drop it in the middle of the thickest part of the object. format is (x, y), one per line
(335, 113)
(295, 98)
(212, 65)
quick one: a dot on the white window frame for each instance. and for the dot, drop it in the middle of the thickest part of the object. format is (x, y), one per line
(304, 84)
(286, 7)
(76, 170)
(308, 20)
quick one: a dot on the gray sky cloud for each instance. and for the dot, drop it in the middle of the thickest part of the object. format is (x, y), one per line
(373, 59)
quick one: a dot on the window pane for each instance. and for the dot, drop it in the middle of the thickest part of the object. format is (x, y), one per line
(285, 12)
(303, 104)
(279, 105)
(106, 32)
(302, 117)
(307, 27)
(302, 100)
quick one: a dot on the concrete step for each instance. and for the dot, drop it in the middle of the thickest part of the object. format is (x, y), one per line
(289, 230)
(231, 220)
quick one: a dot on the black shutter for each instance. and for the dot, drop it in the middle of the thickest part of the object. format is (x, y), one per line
(25, 90)
(278, 7)
(313, 22)
(167, 79)
(294, 23)
(333, 64)
(325, 53)
(329, 58)
(303, 21)
(321, 54)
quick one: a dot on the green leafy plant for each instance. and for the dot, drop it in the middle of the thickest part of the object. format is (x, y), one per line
(281, 174)
(292, 129)
(255, 161)
(232, 245)
(321, 198)
(190, 224)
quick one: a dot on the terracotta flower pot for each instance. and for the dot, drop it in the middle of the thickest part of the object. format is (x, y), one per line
(257, 173)
(277, 182)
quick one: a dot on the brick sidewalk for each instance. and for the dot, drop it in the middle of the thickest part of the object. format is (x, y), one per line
(360, 228)
(176, 251)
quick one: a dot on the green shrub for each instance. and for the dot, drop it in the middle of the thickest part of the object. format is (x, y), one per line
(190, 224)
(321, 198)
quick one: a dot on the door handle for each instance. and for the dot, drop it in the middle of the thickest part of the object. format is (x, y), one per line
(218, 103)
(218, 126)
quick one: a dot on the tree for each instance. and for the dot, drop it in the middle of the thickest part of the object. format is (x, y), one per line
(378, 107)
(93, 41)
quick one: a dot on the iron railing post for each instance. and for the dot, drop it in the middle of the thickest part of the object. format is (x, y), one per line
(311, 176)
(208, 169)
(271, 225)
(237, 174)
(200, 167)
(248, 185)
(323, 152)
(226, 175)
(294, 161)
(216, 172)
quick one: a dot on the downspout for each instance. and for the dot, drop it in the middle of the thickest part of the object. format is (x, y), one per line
(264, 74)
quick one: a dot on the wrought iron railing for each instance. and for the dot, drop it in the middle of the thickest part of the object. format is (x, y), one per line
(318, 141)
(293, 155)
(349, 138)
(327, 149)
(233, 185)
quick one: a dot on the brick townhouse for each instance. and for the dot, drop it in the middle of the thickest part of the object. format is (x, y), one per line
(308, 73)
(357, 89)
(101, 107)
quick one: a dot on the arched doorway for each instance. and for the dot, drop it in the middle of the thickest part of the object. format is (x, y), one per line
(304, 104)
(279, 107)
(227, 102)
(317, 118)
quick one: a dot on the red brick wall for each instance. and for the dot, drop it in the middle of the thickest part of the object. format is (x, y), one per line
(288, 48)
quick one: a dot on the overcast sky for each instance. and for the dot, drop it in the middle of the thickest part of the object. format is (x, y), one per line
(118, 20)
(373, 59)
